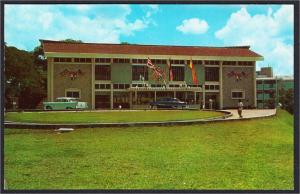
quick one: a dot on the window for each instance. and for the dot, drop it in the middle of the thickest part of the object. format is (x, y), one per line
(197, 62)
(178, 73)
(121, 60)
(245, 63)
(102, 72)
(121, 86)
(102, 86)
(211, 74)
(139, 72)
(74, 93)
(237, 94)
(62, 59)
(211, 62)
(229, 63)
(102, 60)
(139, 61)
(82, 60)
(177, 62)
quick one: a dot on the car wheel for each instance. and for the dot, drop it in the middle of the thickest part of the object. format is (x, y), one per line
(48, 108)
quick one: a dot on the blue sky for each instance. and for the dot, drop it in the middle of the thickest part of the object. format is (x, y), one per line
(268, 29)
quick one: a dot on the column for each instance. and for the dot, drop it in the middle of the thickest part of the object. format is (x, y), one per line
(49, 79)
(221, 84)
(154, 95)
(111, 96)
(203, 96)
(135, 96)
(174, 94)
(254, 83)
(195, 97)
(93, 83)
(130, 100)
(52, 80)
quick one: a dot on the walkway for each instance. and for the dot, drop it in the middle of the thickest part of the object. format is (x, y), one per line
(231, 115)
(253, 113)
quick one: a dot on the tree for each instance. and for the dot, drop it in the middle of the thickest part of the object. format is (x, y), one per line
(23, 79)
(286, 98)
(71, 40)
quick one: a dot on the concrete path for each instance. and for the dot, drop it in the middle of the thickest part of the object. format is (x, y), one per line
(252, 113)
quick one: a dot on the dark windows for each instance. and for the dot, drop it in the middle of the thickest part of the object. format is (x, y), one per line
(102, 60)
(121, 60)
(211, 62)
(139, 61)
(102, 86)
(73, 94)
(178, 73)
(197, 62)
(177, 62)
(102, 72)
(237, 94)
(121, 86)
(211, 74)
(139, 72)
(245, 63)
(229, 63)
(62, 59)
(82, 60)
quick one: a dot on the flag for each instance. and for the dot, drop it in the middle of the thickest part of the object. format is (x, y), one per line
(194, 75)
(149, 64)
(170, 70)
(157, 73)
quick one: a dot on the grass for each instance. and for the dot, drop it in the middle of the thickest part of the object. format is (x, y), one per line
(254, 154)
(110, 116)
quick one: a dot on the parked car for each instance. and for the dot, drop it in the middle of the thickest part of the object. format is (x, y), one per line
(168, 103)
(63, 103)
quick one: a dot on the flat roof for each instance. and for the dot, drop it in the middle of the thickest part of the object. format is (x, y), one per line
(51, 46)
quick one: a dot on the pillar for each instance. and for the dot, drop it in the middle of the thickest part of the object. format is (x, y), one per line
(174, 94)
(221, 84)
(111, 96)
(254, 84)
(93, 83)
(130, 100)
(195, 97)
(203, 96)
(154, 95)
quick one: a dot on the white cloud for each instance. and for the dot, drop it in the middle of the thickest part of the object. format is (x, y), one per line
(193, 26)
(26, 24)
(270, 35)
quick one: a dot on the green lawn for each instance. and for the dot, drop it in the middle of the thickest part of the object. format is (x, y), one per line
(110, 116)
(254, 154)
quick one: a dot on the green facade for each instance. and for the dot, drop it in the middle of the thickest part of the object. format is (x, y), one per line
(268, 94)
(121, 73)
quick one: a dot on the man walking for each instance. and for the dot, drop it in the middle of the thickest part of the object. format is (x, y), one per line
(240, 108)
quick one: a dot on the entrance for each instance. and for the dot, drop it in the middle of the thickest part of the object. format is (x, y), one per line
(213, 97)
(102, 101)
(121, 99)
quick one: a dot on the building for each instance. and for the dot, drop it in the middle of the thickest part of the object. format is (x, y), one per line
(269, 87)
(109, 75)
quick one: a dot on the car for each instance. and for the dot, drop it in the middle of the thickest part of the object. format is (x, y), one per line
(65, 103)
(168, 103)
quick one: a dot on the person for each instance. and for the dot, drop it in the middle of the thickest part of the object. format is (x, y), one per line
(240, 108)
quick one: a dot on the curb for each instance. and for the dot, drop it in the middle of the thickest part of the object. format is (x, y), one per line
(18, 125)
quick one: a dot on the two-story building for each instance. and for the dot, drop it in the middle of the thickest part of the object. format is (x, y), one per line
(109, 75)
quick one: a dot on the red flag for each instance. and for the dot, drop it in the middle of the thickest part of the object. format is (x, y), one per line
(194, 75)
(170, 70)
(149, 64)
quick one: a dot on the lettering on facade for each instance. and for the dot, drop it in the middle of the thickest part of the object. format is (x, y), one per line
(71, 74)
(237, 75)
